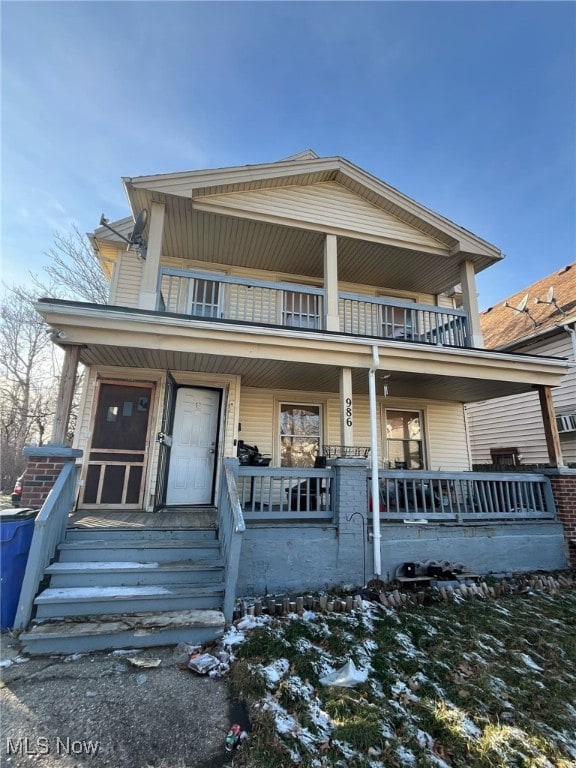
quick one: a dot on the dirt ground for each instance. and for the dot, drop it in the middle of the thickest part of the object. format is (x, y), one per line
(99, 710)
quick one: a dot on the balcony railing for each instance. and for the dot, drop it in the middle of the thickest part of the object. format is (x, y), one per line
(210, 295)
(395, 319)
(463, 496)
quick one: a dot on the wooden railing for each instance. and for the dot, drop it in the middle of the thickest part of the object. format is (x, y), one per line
(230, 529)
(281, 493)
(49, 532)
(210, 295)
(463, 496)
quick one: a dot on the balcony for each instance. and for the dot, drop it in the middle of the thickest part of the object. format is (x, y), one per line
(213, 296)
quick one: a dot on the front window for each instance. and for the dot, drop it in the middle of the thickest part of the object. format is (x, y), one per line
(205, 298)
(397, 322)
(300, 433)
(301, 310)
(405, 439)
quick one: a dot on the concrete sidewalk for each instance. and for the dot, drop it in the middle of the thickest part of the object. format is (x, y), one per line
(98, 710)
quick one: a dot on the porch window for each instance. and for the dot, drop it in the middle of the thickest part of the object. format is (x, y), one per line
(405, 439)
(301, 310)
(505, 457)
(205, 298)
(300, 434)
(397, 322)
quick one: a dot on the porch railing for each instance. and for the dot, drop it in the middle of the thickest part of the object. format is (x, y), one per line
(230, 529)
(210, 295)
(282, 493)
(464, 496)
(49, 532)
(213, 296)
(401, 320)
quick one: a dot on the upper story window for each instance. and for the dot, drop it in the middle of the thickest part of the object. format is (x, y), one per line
(405, 439)
(205, 299)
(300, 434)
(301, 310)
(397, 322)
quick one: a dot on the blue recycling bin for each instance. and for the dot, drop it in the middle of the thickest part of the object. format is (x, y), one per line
(16, 529)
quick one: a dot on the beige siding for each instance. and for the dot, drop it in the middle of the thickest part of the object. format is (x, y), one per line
(444, 424)
(127, 284)
(516, 422)
(327, 205)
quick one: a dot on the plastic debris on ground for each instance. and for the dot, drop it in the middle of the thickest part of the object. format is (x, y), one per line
(144, 663)
(346, 677)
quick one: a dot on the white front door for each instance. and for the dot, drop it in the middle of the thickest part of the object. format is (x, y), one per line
(194, 445)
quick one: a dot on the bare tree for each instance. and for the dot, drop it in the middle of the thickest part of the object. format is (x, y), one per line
(28, 368)
(74, 268)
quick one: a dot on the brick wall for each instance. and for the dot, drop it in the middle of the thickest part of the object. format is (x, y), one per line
(43, 466)
(564, 490)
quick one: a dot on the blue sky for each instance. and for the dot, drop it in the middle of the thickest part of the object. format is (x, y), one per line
(470, 108)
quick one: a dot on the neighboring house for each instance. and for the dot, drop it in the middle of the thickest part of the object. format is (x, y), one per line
(509, 431)
(306, 308)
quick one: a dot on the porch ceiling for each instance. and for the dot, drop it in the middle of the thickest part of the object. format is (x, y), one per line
(271, 374)
(247, 243)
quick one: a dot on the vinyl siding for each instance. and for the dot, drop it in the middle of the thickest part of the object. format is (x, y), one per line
(446, 447)
(516, 421)
(327, 205)
(127, 285)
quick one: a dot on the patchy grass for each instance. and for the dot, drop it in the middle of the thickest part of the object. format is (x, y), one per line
(483, 683)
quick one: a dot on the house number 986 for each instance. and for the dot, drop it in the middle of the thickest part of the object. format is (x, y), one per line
(348, 411)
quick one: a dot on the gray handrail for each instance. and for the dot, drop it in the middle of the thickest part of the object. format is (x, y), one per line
(49, 532)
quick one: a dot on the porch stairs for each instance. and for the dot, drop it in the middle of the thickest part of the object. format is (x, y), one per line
(129, 588)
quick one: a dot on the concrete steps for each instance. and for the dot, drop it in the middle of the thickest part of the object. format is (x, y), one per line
(115, 588)
(138, 630)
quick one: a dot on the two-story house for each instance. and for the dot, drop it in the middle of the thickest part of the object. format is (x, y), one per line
(306, 308)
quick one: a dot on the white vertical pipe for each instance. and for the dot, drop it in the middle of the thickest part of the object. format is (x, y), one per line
(375, 492)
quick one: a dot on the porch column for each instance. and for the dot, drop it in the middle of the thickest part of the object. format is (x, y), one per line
(65, 394)
(43, 465)
(470, 300)
(346, 408)
(550, 426)
(149, 286)
(331, 316)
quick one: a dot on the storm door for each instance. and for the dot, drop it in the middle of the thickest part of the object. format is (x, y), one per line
(117, 456)
(165, 441)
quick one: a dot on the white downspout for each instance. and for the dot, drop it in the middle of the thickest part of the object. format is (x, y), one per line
(375, 491)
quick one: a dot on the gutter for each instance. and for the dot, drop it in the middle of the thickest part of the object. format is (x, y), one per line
(375, 490)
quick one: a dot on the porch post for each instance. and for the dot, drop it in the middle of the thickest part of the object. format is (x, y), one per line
(65, 394)
(470, 300)
(346, 408)
(331, 316)
(550, 426)
(149, 286)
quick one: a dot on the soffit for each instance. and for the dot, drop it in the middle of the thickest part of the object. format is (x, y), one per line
(269, 374)
(190, 234)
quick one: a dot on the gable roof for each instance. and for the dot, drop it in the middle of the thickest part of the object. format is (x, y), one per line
(306, 168)
(502, 326)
